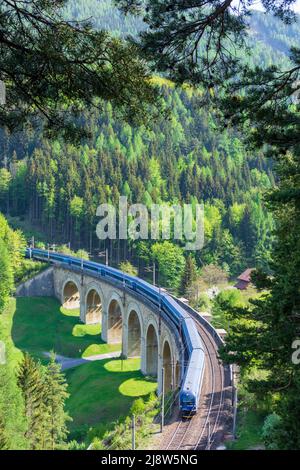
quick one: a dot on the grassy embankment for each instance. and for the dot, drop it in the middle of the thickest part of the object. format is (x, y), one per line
(100, 392)
(251, 415)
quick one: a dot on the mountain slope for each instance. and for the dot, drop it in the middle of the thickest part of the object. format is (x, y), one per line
(183, 159)
(269, 38)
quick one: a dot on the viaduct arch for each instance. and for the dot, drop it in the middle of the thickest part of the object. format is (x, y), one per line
(70, 295)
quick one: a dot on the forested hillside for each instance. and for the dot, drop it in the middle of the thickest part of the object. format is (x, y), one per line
(58, 186)
(104, 15)
(269, 39)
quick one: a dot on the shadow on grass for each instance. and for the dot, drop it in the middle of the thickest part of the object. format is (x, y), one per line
(41, 325)
(99, 396)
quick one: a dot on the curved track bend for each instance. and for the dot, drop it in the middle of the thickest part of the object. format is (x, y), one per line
(206, 429)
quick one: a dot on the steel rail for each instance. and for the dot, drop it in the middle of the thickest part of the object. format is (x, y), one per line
(179, 434)
(216, 377)
(215, 366)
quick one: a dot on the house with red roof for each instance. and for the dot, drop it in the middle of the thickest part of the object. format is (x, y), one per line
(244, 280)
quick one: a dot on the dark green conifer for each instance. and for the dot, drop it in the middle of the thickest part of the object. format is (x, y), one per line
(31, 382)
(189, 275)
(56, 396)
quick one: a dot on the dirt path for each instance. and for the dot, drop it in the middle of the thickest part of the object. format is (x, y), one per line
(69, 362)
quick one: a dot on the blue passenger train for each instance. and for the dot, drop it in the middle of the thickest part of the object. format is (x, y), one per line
(193, 352)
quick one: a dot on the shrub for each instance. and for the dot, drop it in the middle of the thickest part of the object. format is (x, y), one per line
(271, 431)
(128, 268)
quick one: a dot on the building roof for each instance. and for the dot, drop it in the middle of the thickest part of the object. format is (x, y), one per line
(246, 275)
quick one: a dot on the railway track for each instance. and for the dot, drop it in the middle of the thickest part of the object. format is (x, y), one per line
(212, 422)
(179, 435)
(205, 430)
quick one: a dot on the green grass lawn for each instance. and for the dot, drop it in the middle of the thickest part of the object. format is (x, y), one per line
(101, 392)
(40, 324)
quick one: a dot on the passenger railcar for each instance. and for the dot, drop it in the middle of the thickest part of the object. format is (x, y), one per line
(192, 384)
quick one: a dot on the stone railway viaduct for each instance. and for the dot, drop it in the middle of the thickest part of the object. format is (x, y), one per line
(126, 318)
